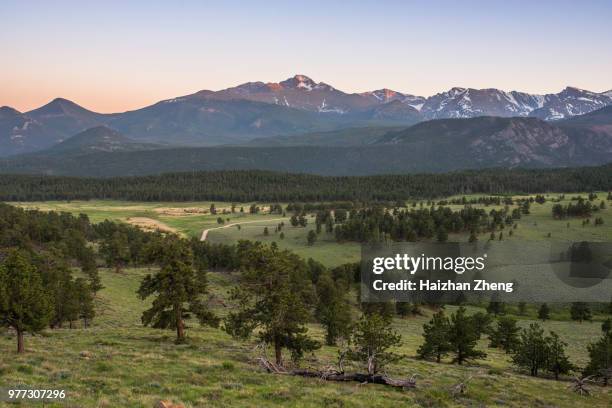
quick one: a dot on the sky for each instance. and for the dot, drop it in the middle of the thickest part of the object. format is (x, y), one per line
(114, 56)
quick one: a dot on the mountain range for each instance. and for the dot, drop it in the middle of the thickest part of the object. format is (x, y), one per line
(436, 145)
(293, 107)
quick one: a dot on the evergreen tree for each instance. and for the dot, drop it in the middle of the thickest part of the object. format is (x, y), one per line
(273, 298)
(329, 225)
(333, 309)
(600, 358)
(482, 322)
(557, 362)
(178, 288)
(115, 251)
(544, 312)
(302, 221)
(85, 301)
(463, 337)
(24, 305)
(606, 326)
(531, 351)
(435, 334)
(505, 335)
(441, 234)
(371, 339)
(312, 237)
(580, 311)
(403, 309)
(496, 307)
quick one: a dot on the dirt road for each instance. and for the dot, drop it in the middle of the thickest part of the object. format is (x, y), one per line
(205, 232)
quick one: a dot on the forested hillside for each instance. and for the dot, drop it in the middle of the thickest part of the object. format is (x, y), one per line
(242, 186)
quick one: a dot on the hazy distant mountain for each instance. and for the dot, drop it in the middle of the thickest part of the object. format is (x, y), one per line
(201, 121)
(65, 118)
(509, 142)
(98, 139)
(294, 106)
(20, 133)
(432, 146)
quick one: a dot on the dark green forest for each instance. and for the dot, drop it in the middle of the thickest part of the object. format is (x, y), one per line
(241, 186)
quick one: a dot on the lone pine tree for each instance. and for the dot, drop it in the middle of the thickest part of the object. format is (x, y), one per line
(580, 311)
(557, 361)
(435, 334)
(531, 350)
(505, 334)
(24, 305)
(179, 288)
(463, 337)
(274, 297)
(600, 357)
(371, 340)
(544, 312)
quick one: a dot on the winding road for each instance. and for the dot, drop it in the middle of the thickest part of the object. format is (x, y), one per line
(205, 232)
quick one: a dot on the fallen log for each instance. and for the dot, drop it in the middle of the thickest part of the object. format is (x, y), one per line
(340, 376)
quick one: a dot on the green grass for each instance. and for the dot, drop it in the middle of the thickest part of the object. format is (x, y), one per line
(119, 363)
(535, 226)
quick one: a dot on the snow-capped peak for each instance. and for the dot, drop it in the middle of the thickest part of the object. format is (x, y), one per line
(300, 82)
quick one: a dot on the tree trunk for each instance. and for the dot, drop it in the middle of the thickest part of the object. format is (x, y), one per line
(20, 346)
(278, 352)
(70, 325)
(180, 325)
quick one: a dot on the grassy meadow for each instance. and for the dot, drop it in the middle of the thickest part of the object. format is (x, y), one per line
(118, 363)
(189, 219)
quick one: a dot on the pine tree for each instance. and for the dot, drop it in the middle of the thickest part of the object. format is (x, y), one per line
(463, 337)
(372, 337)
(441, 234)
(496, 307)
(580, 311)
(333, 309)
(24, 305)
(544, 312)
(116, 251)
(600, 358)
(505, 335)
(311, 237)
(178, 288)
(274, 298)
(85, 297)
(403, 309)
(531, 351)
(522, 308)
(435, 334)
(557, 362)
